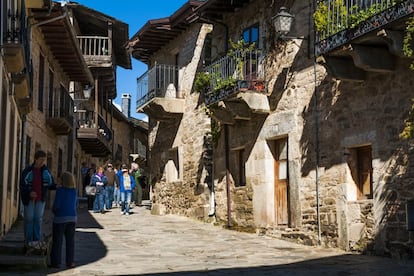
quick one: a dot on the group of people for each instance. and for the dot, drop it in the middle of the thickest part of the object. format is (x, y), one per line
(115, 187)
(112, 186)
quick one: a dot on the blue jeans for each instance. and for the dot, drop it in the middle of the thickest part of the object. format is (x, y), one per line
(117, 196)
(98, 204)
(33, 215)
(125, 201)
(61, 230)
(109, 196)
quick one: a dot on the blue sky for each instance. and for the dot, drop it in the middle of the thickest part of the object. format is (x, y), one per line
(135, 13)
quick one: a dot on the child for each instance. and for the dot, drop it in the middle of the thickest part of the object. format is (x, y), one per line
(64, 221)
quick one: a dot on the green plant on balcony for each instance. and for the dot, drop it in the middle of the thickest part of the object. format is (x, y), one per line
(324, 18)
(330, 20)
(239, 50)
(224, 84)
(202, 82)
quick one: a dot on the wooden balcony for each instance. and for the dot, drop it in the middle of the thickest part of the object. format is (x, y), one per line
(158, 93)
(95, 139)
(349, 46)
(236, 86)
(60, 113)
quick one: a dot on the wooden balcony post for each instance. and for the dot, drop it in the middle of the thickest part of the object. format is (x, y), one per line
(96, 103)
(110, 38)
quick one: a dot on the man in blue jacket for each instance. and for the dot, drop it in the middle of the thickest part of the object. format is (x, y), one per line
(35, 182)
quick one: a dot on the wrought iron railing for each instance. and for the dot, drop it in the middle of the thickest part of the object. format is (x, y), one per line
(333, 16)
(339, 21)
(61, 106)
(235, 72)
(160, 81)
(94, 45)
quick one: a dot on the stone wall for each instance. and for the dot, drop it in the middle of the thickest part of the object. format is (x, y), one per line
(179, 148)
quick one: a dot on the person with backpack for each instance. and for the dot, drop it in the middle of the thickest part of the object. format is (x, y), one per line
(35, 182)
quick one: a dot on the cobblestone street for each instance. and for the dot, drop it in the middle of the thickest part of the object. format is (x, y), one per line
(144, 244)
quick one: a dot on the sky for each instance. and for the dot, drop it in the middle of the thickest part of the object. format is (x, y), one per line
(135, 13)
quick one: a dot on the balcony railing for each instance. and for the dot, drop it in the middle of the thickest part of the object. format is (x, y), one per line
(94, 45)
(60, 112)
(339, 21)
(160, 81)
(234, 73)
(15, 43)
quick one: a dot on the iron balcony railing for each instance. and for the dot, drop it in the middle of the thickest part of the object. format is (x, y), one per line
(339, 21)
(160, 81)
(243, 70)
(94, 45)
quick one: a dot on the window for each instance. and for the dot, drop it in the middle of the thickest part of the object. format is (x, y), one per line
(11, 145)
(207, 50)
(50, 105)
(60, 161)
(118, 154)
(238, 168)
(40, 82)
(49, 160)
(251, 34)
(28, 150)
(360, 164)
(172, 168)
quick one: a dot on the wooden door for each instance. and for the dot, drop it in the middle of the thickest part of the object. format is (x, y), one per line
(364, 184)
(281, 181)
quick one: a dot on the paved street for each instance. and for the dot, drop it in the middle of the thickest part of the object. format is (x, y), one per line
(143, 244)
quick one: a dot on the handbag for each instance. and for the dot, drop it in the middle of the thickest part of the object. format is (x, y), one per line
(90, 190)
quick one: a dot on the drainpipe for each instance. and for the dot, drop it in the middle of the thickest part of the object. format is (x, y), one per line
(316, 118)
(212, 192)
(226, 149)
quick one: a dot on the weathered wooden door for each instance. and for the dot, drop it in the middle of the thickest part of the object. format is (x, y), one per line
(281, 181)
(364, 184)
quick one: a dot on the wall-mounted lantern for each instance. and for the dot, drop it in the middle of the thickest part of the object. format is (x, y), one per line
(283, 22)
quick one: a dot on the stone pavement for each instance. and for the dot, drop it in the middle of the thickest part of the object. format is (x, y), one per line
(144, 244)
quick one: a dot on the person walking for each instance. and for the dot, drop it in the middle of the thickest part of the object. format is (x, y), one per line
(136, 170)
(117, 190)
(35, 183)
(126, 184)
(64, 221)
(110, 187)
(100, 181)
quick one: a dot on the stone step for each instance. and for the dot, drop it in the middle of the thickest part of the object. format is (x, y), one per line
(22, 262)
(10, 247)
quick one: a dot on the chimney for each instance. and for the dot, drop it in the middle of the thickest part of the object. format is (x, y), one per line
(126, 105)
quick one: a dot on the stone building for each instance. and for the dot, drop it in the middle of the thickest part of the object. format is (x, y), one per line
(290, 147)
(58, 78)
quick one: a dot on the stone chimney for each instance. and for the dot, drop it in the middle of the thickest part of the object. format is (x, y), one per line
(126, 105)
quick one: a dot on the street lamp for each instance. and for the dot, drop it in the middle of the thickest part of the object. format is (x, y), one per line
(283, 21)
(87, 91)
